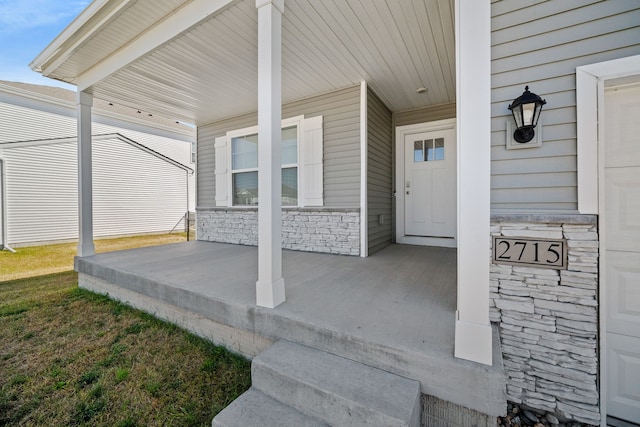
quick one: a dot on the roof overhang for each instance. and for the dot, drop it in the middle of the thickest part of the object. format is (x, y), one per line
(196, 61)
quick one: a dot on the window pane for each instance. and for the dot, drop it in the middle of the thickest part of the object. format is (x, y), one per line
(418, 154)
(439, 149)
(244, 152)
(290, 187)
(290, 145)
(245, 188)
(429, 148)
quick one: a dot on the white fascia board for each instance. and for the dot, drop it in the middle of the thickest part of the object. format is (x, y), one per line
(55, 51)
(172, 26)
(65, 52)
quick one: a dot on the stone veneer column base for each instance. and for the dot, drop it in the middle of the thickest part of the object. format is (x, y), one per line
(326, 230)
(549, 318)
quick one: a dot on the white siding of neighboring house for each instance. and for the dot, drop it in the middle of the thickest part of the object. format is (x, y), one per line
(134, 191)
(26, 119)
(540, 44)
(341, 126)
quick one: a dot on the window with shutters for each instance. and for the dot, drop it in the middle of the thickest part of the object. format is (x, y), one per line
(244, 168)
(237, 164)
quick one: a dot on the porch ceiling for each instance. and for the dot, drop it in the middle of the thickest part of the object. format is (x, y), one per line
(209, 72)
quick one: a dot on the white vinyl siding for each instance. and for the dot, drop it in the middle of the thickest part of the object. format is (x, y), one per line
(540, 44)
(134, 192)
(23, 119)
(34, 121)
(42, 193)
(140, 194)
(340, 111)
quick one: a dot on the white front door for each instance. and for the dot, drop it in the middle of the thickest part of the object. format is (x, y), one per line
(429, 184)
(621, 250)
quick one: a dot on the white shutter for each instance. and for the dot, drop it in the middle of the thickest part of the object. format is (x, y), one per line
(222, 172)
(312, 170)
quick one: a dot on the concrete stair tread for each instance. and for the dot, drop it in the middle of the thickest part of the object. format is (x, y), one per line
(337, 390)
(254, 408)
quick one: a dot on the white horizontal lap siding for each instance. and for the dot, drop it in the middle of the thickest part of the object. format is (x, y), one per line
(134, 191)
(175, 149)
(341, 127)
(178, 150)
(540, 45)
(19, 123)
(24, 119)
(42, 201)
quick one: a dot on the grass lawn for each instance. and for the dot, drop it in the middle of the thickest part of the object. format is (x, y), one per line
(38, 260)
(71, 357)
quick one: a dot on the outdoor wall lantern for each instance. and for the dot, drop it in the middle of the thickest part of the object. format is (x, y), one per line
(526, 112)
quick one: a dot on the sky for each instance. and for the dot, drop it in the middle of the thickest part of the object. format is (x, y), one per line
(26, 28)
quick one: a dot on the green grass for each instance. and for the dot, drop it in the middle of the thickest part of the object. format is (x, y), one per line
(40, 260)
(69, 357)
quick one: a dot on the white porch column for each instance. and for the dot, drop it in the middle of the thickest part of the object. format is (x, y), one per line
(270, 286)
(84, 103)
(473, 105)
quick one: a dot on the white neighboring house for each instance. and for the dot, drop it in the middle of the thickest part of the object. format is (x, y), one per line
(143, 172)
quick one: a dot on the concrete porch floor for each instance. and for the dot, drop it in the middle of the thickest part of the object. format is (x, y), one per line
(394, 310)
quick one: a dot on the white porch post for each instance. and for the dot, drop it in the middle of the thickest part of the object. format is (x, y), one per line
(270, 286)
(473, 104)
(84, 103)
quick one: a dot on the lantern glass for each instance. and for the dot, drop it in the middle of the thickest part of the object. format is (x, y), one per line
(517, 115)
(536, 115)
(527, 114)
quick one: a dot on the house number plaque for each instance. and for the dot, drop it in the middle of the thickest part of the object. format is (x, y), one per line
(540, 253)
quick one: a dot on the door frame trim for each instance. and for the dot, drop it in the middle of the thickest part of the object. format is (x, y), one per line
(590, 84)
(401, 133)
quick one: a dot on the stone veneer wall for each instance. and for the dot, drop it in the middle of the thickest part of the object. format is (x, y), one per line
(549, 318)
(328, 230)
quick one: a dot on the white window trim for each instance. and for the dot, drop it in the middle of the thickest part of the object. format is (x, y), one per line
(297, 121)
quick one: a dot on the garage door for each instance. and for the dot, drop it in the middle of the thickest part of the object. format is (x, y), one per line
(621, 250)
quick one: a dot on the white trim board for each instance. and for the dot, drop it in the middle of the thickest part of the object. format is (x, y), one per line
(401, 133)
(364, 165)
(590, 83)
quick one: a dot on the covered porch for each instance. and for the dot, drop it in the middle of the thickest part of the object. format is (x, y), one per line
(204, 61)
(394, 310)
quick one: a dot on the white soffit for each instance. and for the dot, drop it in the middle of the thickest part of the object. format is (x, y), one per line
(210, 72)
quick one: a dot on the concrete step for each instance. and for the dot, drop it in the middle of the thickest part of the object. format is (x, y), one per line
(254, 408)
(336, 390)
